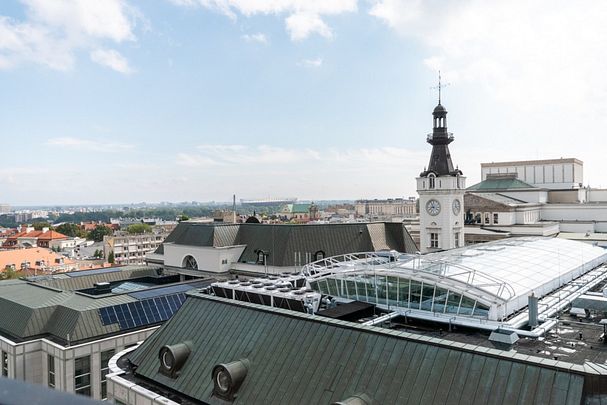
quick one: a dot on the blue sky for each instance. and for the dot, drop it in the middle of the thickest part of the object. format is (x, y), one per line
(172, 100)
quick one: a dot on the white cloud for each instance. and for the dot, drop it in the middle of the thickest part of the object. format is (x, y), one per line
(88, 144)
(52, 31)
(527, 53)
(311, 62)
(537, 66)
(112, 59)
(301, 25)
(303, 17)
(241, 155)
(258, 38)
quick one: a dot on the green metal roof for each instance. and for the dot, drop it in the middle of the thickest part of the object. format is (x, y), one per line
(302, 359)
(51, 305)
(502, 184)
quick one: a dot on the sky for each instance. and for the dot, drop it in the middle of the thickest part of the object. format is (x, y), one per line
(181, 100)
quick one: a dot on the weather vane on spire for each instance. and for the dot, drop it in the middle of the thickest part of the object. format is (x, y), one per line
(439, 87)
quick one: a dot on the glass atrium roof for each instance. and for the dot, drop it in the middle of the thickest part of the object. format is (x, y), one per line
(500, 274)
(524, 265)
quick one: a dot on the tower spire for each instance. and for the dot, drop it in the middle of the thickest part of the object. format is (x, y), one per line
(439, 86)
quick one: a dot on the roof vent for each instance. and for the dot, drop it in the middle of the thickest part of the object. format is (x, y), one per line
(173, 357)
(503, 339)
(358, 399)
(227, 378)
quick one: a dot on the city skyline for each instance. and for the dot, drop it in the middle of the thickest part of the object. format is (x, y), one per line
(183, 100)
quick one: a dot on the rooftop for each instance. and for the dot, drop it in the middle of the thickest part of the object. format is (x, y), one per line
(532, 162)
(69, 308)
(500, 182)
(300, 358)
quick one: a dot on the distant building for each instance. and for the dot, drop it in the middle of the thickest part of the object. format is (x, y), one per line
(397, 207)
(540, 197)
(552, 174)
(28, 237)
(268, 202)
(55, 240)
(300, 213)
(5, 209)
(35, 260)
(131, 248)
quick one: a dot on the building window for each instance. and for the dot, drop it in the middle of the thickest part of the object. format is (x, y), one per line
(105, 369)
(495, 216)
(4, 364)
(434, 240)
(431, 180)
(486, 218)
(82, 375)
(457, 239)
(51, 371)
(190, 263)
(320, 255)
(477, 218)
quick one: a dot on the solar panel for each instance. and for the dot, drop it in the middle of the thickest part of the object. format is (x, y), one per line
(89, 272)
(144, 312)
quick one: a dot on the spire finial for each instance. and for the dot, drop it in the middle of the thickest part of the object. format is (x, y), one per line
(439, 86)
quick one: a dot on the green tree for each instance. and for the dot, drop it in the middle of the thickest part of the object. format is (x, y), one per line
(110, 257)
(9, 273)
(39, 225)
(182, 217)
(99, 232)
(139, 228)
(71, 230)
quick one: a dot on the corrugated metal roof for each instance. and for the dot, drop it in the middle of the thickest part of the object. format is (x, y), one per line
(285, 241)
(31, 309)
(65, 282)
(301, 359)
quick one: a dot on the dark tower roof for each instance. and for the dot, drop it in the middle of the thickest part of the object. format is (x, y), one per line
(440, 160)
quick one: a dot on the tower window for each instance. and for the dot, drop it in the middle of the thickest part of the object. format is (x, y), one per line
(457, 239)
(434, 240)
(431, 181)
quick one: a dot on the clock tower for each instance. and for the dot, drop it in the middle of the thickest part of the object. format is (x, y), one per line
(441, 191)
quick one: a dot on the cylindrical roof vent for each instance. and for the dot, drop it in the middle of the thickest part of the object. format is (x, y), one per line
(173, 357)
(227, 378)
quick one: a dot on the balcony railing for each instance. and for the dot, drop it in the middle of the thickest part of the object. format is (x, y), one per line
(435, 137)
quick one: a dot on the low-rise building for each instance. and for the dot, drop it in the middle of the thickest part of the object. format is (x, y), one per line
(62, 330)
(131, 248)
(392, 207)
(299, 213)
(273, 248)
(35, 260)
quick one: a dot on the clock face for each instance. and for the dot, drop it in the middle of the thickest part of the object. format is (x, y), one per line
(457, 206)
(433, 207)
